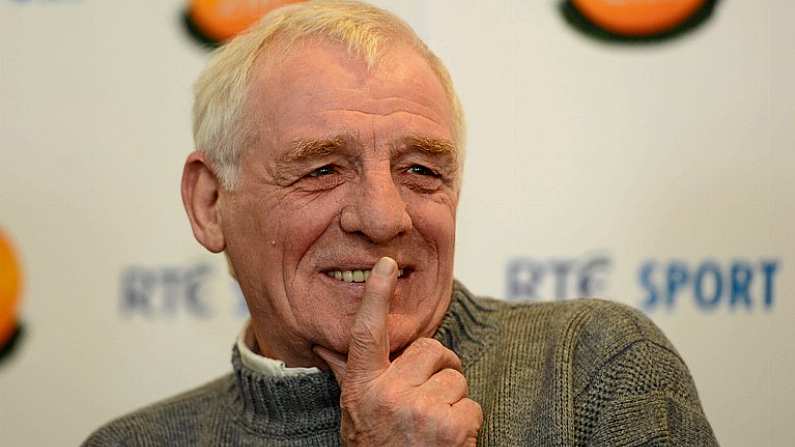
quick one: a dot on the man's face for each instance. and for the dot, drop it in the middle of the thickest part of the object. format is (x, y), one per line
(349, 165)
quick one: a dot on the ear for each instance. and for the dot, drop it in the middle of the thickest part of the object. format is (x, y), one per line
(200, 194)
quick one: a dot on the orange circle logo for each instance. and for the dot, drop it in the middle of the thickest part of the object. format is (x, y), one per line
(216, 21)
(10, 287)
(636, 20)
(638, 17)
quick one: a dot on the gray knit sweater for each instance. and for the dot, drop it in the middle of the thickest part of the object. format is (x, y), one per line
(573, 373)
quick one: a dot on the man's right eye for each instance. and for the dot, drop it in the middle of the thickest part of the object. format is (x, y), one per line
(323, 170)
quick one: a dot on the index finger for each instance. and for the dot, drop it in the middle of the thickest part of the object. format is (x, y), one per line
(368, 351)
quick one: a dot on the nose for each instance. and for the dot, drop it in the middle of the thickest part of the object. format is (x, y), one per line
(376, 209)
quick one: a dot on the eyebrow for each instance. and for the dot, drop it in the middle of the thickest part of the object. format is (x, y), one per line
(433, 146)
(307, 149)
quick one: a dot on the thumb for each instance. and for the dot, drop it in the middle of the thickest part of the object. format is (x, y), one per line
(335, 361)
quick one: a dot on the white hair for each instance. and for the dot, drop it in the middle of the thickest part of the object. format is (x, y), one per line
(220, 91)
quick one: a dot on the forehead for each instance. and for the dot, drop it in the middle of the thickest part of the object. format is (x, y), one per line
(320, 89)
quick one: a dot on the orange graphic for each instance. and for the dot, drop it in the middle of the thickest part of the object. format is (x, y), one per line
(638, 17)
(221, 20)
(10, 286)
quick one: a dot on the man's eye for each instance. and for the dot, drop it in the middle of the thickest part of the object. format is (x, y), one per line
(422, 170)
(323, 170)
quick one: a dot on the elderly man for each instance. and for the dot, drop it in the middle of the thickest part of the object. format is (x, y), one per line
(328, 170)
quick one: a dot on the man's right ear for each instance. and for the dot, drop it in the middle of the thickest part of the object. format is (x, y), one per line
(200, 194)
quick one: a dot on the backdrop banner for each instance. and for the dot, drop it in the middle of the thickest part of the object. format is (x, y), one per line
(653, 168)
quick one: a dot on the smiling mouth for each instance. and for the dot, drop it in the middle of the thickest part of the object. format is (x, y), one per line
(357, 276)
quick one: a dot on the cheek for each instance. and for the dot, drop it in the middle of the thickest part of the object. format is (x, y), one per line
(302, 225)
(435, 221)
(271, 233)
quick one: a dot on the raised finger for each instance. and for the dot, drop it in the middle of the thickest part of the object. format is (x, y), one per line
(368, 352)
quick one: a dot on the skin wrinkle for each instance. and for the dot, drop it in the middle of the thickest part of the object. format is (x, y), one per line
(386, 114)
(322, 98)
(424, 102)
(373, 136)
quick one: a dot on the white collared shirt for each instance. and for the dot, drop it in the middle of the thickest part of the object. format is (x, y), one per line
(261, 364)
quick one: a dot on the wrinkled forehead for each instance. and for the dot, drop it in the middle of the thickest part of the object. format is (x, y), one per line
(316, 73)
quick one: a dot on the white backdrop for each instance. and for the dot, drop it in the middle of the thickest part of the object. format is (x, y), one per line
(671, 163)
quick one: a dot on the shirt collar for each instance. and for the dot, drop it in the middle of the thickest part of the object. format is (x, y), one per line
(267, 366)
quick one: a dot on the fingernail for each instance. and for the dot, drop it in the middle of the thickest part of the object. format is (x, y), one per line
(385, 266)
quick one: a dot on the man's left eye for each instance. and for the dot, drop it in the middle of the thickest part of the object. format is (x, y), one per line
(323, 170)
(423, 170)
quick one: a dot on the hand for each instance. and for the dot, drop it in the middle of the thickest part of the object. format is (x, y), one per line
(417, 399)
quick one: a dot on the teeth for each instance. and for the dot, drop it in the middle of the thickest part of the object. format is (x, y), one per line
(353, 275)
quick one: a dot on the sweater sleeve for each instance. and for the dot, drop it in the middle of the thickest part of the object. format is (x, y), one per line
(634, 389)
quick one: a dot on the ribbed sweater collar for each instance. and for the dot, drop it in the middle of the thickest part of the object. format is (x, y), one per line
(306, 404)
(469, 326)
(286, 405)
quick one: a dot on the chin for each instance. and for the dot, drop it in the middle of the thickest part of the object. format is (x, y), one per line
(404, 330)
